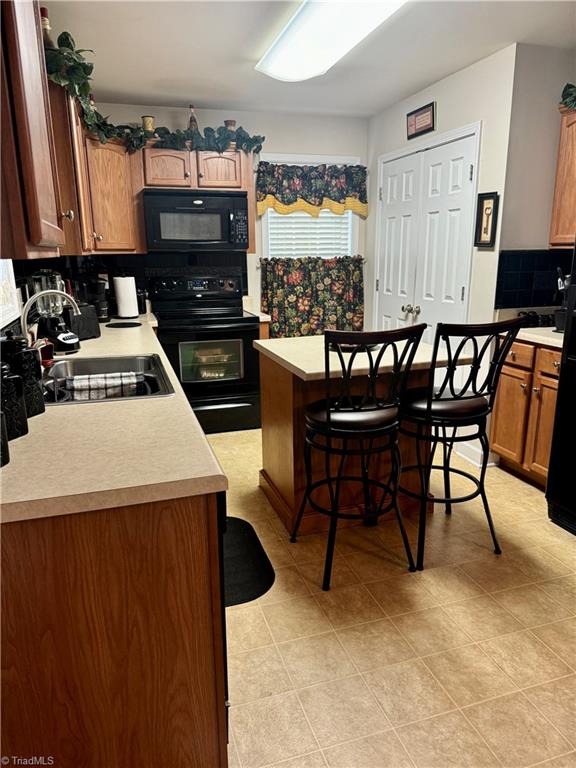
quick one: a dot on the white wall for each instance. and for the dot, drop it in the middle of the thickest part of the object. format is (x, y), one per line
(540, 74)
(285, 134)
(480, 92)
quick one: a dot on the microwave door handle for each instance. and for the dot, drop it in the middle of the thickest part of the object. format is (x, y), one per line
(231, 227)
(184, 208)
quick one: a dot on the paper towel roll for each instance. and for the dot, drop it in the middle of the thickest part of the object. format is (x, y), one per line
(126, 299)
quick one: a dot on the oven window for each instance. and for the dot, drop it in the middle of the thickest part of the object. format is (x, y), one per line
(190, 226)
(211, 360)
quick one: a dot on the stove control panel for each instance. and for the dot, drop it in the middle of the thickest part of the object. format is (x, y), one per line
(194, 287)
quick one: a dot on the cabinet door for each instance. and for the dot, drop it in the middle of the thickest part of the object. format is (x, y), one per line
(110, 196)
(168, 168)
(541, 424)
(29, 91)
(223, 171)
(563, 222)
(510, 414)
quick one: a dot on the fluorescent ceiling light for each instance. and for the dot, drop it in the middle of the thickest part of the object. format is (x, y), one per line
(320, 33)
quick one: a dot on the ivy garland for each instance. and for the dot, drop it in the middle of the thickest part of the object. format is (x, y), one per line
(67, 67)
(569, 96)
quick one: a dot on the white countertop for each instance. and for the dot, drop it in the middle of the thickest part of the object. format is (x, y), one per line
(88, 456)
(304, 357)
(545, 336)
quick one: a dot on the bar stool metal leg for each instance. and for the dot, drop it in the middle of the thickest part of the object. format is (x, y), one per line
(308, 466)
(335, 500)
(396, 467)
(485, 452)
(424, 472)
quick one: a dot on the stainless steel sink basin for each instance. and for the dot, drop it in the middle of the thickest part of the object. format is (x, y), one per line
(155, 379)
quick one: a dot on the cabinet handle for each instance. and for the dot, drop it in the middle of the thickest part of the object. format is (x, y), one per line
(68, 215)
(523, 386)
(535, 390)
(513, 355)
(186, 174)
(556, 363)
(200, 175)
(97, 237)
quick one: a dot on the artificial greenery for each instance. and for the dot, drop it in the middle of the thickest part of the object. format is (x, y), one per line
(569, 96)
(67, 67)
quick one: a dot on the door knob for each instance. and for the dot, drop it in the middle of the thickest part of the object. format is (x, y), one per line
(417, 309)
(408, 308)
(68, 215)
(186, 174)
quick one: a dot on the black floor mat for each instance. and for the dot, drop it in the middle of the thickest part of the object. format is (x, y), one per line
(248, 573)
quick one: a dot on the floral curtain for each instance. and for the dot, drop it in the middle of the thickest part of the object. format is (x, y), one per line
(306, 296)
(310, 188)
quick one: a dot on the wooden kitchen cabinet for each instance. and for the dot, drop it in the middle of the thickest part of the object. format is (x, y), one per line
(523, 416)
(563, 222)
(220, 170)
(169, 168)
(29, 176)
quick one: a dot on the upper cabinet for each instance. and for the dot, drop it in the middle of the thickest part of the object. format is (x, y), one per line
(563, 223)
(169, 168)
(220, 171)
(100, 186)
(29, 177)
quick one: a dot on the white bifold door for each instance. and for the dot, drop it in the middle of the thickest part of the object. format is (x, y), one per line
(426, 237)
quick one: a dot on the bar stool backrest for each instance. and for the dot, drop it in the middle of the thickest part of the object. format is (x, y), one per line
(388, 354)
(476, 354)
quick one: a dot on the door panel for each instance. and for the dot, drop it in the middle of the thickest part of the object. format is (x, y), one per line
(399, 238)
(541, 425)
(510, 413)
(168, 168)
(220, 170)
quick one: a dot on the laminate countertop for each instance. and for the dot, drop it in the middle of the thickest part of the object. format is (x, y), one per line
(304, 357)
(545, 336)
(88, 456)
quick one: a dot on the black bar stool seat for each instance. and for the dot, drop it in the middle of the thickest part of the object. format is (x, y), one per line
(363, 425)
(446, 409)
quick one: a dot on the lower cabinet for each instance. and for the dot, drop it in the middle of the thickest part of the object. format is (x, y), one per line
(523, 417)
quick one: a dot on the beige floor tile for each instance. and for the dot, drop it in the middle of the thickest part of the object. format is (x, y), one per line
(349, 605)
(381, 750)
(246, 628)
(313, 574)
(430, 631)
(270, 730)
(565, 761)
(525, 658)
(342, 710)
(539, 564)
(379, 564)
(557, 700)
(313, 760)
(482, 617)
(449, 584)
(256, 674)
(562, 590)
(561, 638)
(408, 692)
(288, 583)
(516, 731)
(447, 741)
(565, 552)
(375, 644)
(278, 552)
(531, 605)
(296, 617)
(501, 573)
(402, 594)
(358, 539)
(316, 659)
(468, 675)
(233, 759)
(309, 547)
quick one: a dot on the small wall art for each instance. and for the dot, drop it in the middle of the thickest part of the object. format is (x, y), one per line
(486, 220)
(421, 120)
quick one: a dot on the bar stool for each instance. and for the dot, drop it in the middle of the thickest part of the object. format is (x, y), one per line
(358, 418)
(461, 397)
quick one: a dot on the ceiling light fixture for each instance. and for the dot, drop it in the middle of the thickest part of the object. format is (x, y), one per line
(320, 33)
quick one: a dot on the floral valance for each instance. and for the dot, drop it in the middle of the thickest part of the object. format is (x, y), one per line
(306, 296)
(311, 188)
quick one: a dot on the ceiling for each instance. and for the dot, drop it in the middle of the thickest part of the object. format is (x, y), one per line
(168, 53)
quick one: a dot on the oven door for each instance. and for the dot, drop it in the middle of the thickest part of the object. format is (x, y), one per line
(218, 369)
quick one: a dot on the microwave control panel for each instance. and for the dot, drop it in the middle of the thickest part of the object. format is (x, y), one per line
(241, 227)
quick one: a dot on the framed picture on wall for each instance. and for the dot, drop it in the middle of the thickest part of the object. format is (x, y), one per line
(486, 220)
(421, 120)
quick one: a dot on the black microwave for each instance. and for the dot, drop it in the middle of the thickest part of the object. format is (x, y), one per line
(193, 220)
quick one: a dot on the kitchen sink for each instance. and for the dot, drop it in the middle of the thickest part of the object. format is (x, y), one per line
(153, 379)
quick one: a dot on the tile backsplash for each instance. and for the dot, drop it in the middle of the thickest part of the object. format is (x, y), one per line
(529, 278)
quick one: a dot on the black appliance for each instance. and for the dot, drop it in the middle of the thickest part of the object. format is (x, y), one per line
(560, 490)
(192, 220)
(85, 325)
(208, 338)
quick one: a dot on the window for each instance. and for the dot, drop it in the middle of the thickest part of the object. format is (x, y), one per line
(299, 234)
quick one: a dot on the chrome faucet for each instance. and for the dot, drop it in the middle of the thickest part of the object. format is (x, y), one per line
(34, 298)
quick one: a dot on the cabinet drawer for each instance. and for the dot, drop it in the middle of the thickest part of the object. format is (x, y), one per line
(521, 355)
(548, 361)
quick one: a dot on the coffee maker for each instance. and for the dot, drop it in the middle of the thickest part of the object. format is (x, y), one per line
(51, 324)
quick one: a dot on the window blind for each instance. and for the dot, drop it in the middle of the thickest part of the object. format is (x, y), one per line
(298, 234)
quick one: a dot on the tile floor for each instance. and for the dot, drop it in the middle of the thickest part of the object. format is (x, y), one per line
(470, 663)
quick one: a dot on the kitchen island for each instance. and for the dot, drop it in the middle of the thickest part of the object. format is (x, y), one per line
(291, 377)
(112, 615)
